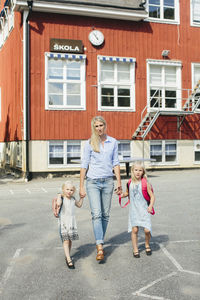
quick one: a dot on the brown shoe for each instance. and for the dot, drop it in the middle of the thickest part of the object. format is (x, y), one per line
(100, 252)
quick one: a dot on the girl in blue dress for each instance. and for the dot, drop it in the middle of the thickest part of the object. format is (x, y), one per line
(139, 209)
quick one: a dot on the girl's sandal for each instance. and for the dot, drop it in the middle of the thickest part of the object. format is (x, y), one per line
(100, 253)
(148, 251)
(136, 254)
(70, 264)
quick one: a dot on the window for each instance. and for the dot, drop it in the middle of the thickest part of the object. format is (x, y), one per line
(195, 12)
(116, 83)
(63, 153)
(163, 151)
(195, 83)
(163, 10)
(124, 149)
(65, 81)
(197, 151)
(164, 85)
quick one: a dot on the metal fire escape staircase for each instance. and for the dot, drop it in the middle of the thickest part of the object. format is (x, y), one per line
(190, 106)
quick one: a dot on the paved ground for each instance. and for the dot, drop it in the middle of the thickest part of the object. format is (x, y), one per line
(32, 262)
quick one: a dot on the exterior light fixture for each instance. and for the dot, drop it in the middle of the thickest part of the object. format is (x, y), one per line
(165, 53)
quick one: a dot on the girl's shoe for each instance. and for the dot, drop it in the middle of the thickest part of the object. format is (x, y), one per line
(136, 254)
(148, 251)
(100, 252)
(70, 264)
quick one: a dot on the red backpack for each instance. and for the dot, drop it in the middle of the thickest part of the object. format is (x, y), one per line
(144, 192)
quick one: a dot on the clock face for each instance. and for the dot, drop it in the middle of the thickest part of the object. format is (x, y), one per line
(96, 37)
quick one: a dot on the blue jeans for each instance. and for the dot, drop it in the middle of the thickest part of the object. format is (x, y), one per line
(99, 193)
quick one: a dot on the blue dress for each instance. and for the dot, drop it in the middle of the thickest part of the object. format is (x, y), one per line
(138, 214)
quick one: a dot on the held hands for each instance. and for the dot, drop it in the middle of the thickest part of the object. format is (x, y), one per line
(82, 192)
(118, 190)
(149, 209)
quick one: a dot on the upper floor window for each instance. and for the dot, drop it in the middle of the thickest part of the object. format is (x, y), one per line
(195, 12)
(164, 85)
(116, 83)
(65, 81)
(163, 10)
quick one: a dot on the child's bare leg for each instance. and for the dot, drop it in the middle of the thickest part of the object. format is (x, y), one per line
(134, 237)
(147, 240)
(67, 247)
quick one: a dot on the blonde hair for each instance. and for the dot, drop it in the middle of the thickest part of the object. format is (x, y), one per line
(95, 139)
(138, 163)
(69, 183)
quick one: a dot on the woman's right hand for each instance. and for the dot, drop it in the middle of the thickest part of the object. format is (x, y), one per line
(82, 192)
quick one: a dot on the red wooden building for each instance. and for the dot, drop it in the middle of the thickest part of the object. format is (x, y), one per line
(134, 62)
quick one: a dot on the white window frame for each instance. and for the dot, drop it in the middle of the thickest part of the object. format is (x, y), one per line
(64, 144)
(161, 19)
(193, 65)
(163, 143)
(11, 19)
(196, 149)
(164, 64)
(192, 22)
(82, 82)
(124, 155)
(1, 37)
(131, 84)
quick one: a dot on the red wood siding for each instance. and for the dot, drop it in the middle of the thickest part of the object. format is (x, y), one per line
(11, 125)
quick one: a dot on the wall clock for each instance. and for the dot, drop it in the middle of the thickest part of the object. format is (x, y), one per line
(96, 38)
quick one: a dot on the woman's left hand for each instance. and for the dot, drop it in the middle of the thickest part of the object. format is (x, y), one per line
(149, 209)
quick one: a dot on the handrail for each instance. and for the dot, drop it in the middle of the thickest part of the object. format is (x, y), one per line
(190, 96)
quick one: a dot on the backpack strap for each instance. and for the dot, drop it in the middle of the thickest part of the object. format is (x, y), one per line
(120, 198)
(146, 194)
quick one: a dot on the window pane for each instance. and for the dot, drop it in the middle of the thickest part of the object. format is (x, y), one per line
(169, 13)
(170, 152)
(197, 156)
(124, 150)
(56, 153)
(196, 11)
(55, 100)
(123, 71)
(156, 98)
(170, 99)
(170, 76)
(55, 88)
(55, 69)
(154, 2)
(107, 96)
(123, 97)
(73, 70)
(155, 75)
(154, 11)
(169, 3)
(73, 94)
(107, 71)
(156, 152)
(73, 152)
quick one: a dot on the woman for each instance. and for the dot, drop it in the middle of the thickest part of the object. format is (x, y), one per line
(99, 160)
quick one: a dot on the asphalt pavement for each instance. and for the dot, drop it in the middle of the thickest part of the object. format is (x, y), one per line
(32, 264)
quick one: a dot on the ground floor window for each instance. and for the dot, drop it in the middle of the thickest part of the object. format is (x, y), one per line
(62, 153)
(163, 151)
(124, 149)
(197, 151)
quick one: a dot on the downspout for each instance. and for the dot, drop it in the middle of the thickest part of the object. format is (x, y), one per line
(27, 88)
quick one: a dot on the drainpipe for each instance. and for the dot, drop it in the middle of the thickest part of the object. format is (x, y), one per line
(27, 87)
